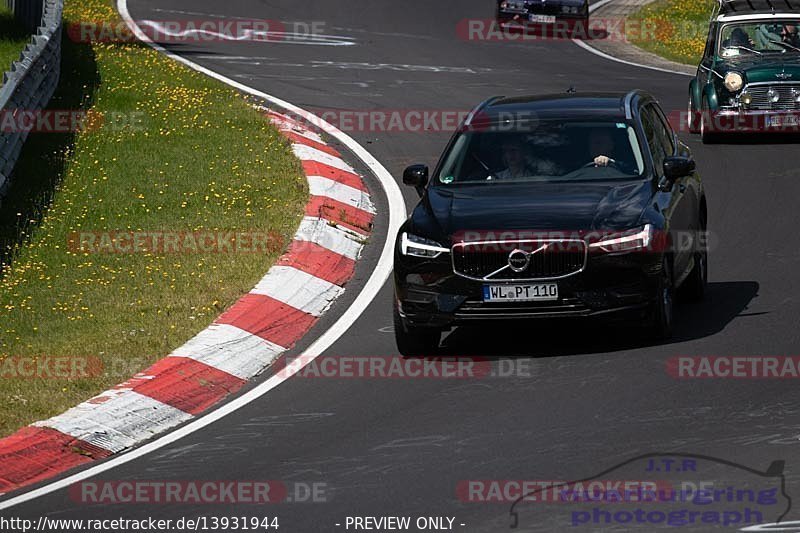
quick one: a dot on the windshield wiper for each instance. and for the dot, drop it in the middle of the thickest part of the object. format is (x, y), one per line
(793, 47)
(737, 47)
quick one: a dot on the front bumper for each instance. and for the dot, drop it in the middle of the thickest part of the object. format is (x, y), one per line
(534, 13)
(429, 294)
(735, 120)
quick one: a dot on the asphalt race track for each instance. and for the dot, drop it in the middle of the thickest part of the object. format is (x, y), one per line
(593, 397)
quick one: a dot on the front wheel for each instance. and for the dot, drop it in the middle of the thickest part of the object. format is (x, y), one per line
(695, 286)
(693, 117)
(415, 341)
(660, 323)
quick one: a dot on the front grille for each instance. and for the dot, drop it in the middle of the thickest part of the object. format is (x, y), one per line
(786, 102)
(476, 309)
(489, 261)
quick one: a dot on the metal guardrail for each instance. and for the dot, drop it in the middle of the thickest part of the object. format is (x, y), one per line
(31, 81)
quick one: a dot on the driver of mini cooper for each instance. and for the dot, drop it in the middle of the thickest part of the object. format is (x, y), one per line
(789, 35)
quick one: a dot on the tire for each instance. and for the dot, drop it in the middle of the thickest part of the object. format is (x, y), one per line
(706, 135)
(415, 341)
(695, 286)
(693, 117)
(660, 324)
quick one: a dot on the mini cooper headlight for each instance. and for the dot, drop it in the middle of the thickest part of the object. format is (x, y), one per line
(733, 81)
(626, 241)
(417, 246)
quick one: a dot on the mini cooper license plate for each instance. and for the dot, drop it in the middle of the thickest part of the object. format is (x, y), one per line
(535, 292)
(782, 121)
(545, 19)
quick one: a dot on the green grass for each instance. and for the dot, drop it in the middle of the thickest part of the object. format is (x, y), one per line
(680, 28)
(191, 155)
(13, 38)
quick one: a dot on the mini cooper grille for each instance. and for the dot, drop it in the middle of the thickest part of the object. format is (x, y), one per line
(490, 261)
(786, 92)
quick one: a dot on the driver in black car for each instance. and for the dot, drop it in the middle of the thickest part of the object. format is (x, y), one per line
(602, 142)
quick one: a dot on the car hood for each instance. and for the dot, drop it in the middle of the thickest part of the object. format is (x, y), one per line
(534, 207)
(764, 70)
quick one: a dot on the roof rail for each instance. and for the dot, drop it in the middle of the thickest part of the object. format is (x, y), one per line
(756, 6)
(479, 108)
(628, 103)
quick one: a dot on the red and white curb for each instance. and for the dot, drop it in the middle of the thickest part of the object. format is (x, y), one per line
(239, 345)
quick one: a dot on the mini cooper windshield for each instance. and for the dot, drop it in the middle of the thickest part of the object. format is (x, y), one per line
(554, 151)
(758, 38)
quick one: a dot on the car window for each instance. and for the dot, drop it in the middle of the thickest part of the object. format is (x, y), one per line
(550, 151)
(653, 139)
(759, 37)
(664, 131)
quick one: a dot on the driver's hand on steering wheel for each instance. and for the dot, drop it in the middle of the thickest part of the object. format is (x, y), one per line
(603, 161)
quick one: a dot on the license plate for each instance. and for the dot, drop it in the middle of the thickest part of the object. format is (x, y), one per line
(782, 120)
(536, 292)
(545, 19)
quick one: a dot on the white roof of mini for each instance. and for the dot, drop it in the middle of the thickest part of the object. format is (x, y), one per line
(759, 17)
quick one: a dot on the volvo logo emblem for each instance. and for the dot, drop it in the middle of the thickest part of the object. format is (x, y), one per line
(784, 75)
(520, 260)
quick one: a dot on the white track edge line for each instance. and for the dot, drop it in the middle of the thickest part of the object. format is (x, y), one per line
(383, 269)
(595, 51)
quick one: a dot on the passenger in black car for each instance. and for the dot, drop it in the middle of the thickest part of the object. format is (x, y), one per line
(521, 163)
(515, 158)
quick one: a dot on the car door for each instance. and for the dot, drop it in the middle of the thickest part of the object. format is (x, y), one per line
(678, 211)
(689, 189)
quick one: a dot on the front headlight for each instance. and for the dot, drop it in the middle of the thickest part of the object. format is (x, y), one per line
(417, 246)
(626, 241)
(733, 81)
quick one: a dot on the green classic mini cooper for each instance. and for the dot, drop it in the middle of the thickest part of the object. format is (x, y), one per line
(749, 77)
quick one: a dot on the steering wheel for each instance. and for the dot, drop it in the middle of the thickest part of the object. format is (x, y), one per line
(590, 164)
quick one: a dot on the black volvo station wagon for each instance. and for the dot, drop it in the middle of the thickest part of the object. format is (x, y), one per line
(573, 205)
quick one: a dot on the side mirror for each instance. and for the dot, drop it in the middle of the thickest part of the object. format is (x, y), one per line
(416, 176)
(677, 167)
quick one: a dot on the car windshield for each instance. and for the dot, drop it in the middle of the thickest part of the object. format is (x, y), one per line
(551, 151)
(753, 38)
